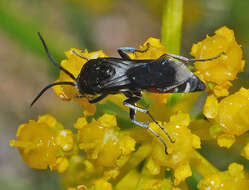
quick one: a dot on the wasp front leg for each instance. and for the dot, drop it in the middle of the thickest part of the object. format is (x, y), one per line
(97, 99)
(122, 51)
(94, 100)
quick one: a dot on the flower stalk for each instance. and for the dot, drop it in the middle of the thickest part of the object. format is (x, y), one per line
(171, 25)
(135, 159)
(202, 165)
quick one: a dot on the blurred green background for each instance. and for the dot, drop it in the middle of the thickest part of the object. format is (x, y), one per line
(91, 24)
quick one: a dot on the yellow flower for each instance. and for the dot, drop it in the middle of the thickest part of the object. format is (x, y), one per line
(61, 165)
(102, 184)
(175, 188)
(154, 51)
(111, 173)
(64, 139)
(196, 141)
(233, 113)
(127, 145)
(222, 89)
(224, 69)
(226, 140)
(210, 108)
(40, 142)
(81, 172)
(230, 114)
(181, 173)
(36, 142)
(155, 184)
(79, 187)
(153, 167)
(108, 121)
(80, 123)
(180, 151)
(245, 151)
(234, 178)
(98, 141)
(102, 142)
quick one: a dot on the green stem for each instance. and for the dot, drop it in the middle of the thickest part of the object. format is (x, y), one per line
(202, 165)
(171, 25)
(136, 158)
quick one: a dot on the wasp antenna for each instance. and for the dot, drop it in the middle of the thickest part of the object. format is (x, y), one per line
(51, 58)
(49, 86)
(207, 59)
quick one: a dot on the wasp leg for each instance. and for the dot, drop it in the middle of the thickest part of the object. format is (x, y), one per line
(76, 53)
(143, 125)
(99, 98)
(81, 96)
(187, 60)
(122, 51)
(133, 108)
(95, 100)
(130, 103)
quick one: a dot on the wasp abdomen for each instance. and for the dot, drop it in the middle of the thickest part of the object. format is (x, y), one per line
(152, 75)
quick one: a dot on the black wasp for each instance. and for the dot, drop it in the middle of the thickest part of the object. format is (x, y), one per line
(103, 76)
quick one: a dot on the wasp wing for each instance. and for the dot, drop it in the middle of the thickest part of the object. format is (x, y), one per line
(121, 81)
(160, 76)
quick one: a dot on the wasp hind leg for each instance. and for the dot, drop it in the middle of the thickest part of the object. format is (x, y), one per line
(130, 103)
(122, 51)
(144, 125)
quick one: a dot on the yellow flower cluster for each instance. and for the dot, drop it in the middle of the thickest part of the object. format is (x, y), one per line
(231, 115)
(219, 73)
(105, 153)
(233, 178)
(180, 151)
(101, 137)
(44, 143)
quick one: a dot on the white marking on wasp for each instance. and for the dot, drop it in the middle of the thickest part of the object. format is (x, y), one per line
(187, 89)
(182, 72)
(176, 89)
